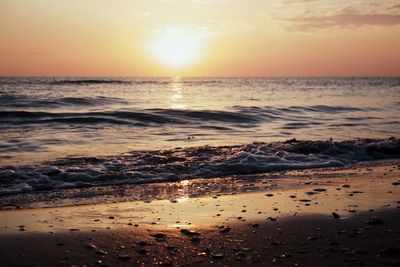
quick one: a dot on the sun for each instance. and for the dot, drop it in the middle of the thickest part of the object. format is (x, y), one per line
(177, 47)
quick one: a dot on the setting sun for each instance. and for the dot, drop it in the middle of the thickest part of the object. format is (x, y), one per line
(177, 47)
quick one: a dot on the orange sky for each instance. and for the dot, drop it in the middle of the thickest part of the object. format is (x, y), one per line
(199, 38)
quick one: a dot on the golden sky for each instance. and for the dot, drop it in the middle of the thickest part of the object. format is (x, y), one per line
(199, 38)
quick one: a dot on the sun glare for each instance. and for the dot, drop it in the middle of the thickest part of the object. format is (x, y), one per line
(176, 47)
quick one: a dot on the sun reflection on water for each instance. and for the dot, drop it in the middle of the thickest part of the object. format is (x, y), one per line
(177, 98)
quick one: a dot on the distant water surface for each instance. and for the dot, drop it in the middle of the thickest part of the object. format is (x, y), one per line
(46, 118)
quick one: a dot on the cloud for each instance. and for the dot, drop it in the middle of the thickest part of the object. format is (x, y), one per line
(395, 7)
(345, 18)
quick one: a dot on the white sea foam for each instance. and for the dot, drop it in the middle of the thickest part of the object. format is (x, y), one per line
(197, 162)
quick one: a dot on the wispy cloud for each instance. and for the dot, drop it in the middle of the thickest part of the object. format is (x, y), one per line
(345, 18)
(395, 7)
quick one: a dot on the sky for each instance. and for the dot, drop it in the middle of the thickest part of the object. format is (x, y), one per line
(199, 38)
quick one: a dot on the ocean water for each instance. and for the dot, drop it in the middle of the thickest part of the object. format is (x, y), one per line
(189, 123)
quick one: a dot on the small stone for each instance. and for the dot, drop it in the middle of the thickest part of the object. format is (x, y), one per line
(160, 237)
(216, 255)
(335, 215)
(101, 252)
(225, 230)
(320, 189)
(189, 233)
(91, 246)
(124, 257)
(277, 243)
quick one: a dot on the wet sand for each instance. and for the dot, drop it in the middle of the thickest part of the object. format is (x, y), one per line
(337, 216)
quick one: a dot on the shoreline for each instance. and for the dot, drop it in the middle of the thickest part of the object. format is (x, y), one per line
(278, 218)
(196, 187)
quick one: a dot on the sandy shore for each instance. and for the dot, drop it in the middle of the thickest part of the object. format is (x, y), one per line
(338, 216)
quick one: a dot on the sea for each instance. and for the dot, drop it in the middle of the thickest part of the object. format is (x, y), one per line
(66, 132)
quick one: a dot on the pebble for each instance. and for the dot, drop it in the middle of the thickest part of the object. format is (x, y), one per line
(91, 246)
(320, 189)
(189, 233)
(124, 257)
(101, 252)
(225, 230)
(217, 255)
(160, 237)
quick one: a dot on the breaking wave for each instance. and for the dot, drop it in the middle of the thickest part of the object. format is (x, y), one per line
(196, 162)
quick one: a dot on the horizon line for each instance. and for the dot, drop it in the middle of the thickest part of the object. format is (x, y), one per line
(178, 76)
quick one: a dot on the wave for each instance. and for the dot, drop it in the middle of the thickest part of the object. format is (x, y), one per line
(294, 116)
(100, 81)
(16, 101)
(196, 162)
(156, 116)
(121, 82)
(88, 82)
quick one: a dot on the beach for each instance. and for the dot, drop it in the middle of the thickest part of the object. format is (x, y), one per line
(339, 216)
(199, 171)
(199, 133)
